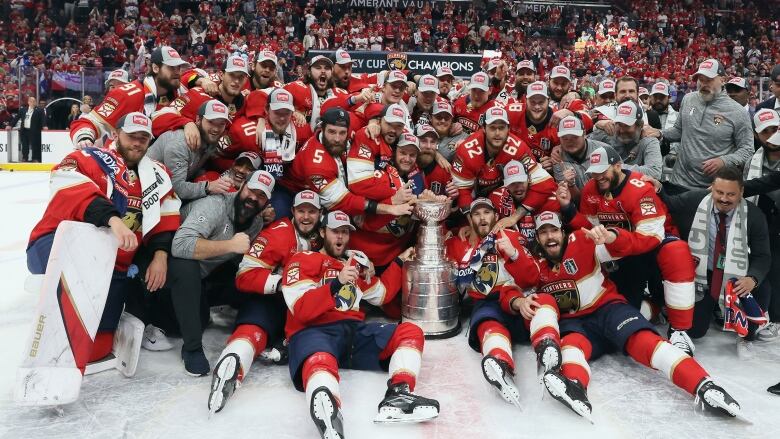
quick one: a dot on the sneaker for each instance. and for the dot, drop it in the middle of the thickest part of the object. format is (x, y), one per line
(155, 339)
(769, 332)
(681, 340)
(401, 405)
(195, 362)
(745, 349)
(325, 413)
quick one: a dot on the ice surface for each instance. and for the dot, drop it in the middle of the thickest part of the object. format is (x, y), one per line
(629, 401)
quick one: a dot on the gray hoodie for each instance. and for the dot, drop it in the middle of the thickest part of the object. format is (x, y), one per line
(185, 164)
(581, 164)
(720, 128)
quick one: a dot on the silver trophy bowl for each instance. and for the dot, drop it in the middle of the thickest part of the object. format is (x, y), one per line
(430, 298)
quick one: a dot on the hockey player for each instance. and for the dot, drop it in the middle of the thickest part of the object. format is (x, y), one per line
(525, 74)
(120, 188)
(421, 105)
(263, 74)
(595, 319)
(619, 198)
(469, 110)
(116, 78)
(148, 95)
(316, 87)
(261, 317)
(531, 122)
(437, 179)
(326, 330)
(345, 79)
(443, 122)
(245, 164)
(476, 169)
(320, 166)
(488, 264)
(563, 101)
(369, 103)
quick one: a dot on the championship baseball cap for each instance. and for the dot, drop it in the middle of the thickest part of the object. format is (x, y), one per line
(480, 80)
(525, 64)
(441, 106)
(135, 122)
(495, 114)
(262, 181)
(560, 72)
(660, 88)
(738, 82)
(492, 64)
(428, 83)
(425, 129)
(408, 138)
(710, 68)
(444, 71)
(547, 217)
(319, 59)
(514, 172)
(336, 219)
(396, 76)
(765, 118)
(266, 55)
(343, 57)
(280, 99)
(236, 63)
(118, 75)
(169, 56)
(602, 158)
(253, 157)
(213, 110)
(481, 201)
(606, 86)
(538, 88)
(570, 126)
(307, 197)
(335, 116)
(394, 113)
(628, 113)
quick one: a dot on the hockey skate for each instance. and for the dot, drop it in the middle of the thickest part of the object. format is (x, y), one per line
(569, 392)
(715, 399)
(326, 414)
(224, 382)
(497, 373)
(681, 340)
(126, 350)
(401, 405)
(548, 355)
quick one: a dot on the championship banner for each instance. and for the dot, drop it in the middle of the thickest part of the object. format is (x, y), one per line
(417, 63)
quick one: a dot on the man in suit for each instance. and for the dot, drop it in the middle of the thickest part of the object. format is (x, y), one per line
(32, 123)
(773, 103)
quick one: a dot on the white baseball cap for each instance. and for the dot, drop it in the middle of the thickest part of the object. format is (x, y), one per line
(213, 110)
(444, 71)
(425, 129)
(169, 56)
(336, 219)
(602, 158)
(765, 118)
(320, 58)
(395, 113)
(514, 172)
(710, 68)
(441, 106)
(660, 88)
(253, 157)
(343, 57)
(775, 139)
(408, 138)
(628, 113)
(280, 99)
(525, 64)
(481, 201)
(492, 64)
(606, 86)
(135, 122)
(738, 82)
(236, 63)
(570, 126)
(396, 76)
(262, 181)
(118, 75)
(428, 83)
(266, 55)
(495, 114)
(480, 80)
(307, 197)
(643, 92)
(560, 72)
(547, 217)
(538, 88)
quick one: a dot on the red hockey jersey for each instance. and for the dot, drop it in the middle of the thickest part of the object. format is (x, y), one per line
(505, 206)
(368, 162)
(184, 109)
(304, 96)
(541, 141)
(469, 117)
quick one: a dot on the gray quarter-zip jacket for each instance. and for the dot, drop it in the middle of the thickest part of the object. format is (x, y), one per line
(185, 164)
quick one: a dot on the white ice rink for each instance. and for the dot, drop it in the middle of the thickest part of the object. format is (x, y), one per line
(629, 401)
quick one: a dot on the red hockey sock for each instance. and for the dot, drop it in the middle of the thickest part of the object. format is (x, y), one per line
(104, 342)
(405, 352)
(253, 334)
(651, 350)
(544, 323)
(575, 352)
(495, 341)
(678, 271)
(321, 369)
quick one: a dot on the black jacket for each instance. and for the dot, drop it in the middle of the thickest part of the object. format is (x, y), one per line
(768, 104)
(683, 208)
(37, 122)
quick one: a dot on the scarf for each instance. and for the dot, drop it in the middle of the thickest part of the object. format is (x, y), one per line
(465, 277)
(736, 261)
(755, 170)
(282, 147)
(316, 105)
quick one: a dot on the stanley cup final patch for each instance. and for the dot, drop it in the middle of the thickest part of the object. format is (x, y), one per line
(570, 266)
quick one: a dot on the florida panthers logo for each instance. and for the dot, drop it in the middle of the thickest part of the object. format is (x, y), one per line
(346, 296)
(487, 276)
(566, 295)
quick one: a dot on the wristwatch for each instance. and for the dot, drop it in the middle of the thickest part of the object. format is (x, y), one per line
(755, 281)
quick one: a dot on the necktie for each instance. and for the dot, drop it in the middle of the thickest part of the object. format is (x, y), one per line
(720, 252)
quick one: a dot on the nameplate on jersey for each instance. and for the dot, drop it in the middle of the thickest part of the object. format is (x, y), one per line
(614, 219)
(468, 124)
(566, 294)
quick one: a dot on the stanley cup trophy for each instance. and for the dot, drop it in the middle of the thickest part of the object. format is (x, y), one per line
(430, 297)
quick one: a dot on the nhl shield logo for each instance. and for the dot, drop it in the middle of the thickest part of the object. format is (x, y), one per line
(570, 266)
(486, 277)
(396, 61)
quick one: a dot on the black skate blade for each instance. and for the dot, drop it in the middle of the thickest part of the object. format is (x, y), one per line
(390, 415)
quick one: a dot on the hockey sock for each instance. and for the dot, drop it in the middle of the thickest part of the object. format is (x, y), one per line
(544, 323)
(678, 272)
(575, 352)
(405, 352)
(650, 349)
(104, 342)
(496, 341)
(321, 369)
(247, 341)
